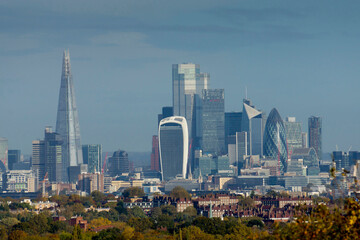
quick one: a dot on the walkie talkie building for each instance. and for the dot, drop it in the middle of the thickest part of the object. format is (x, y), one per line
(174, 146)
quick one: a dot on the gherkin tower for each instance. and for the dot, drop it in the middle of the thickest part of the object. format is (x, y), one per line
(67, 123)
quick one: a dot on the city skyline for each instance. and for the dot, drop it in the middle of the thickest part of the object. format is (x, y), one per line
(295, 55)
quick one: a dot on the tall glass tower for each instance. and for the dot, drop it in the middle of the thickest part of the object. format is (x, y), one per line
(275, 144)
(315, 138)
(67, 124)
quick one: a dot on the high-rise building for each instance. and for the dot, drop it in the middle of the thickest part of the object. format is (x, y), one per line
(293, 134)
(188, 84)
(310, 159)
(253, 121)
(89, 182)
(13, 157)
(67, 124)
(3, 153)
(155, 157)
(92, 156)
(174, 145)
(315, 136)
(304, 140)
(118, 163)
(275, 145)
(213, 130)
(38, 159)
(53, 155)
(241, 148)
(166, 112)
(232, 125)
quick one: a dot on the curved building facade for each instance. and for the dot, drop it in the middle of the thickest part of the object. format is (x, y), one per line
(174, 147)
(275, 145)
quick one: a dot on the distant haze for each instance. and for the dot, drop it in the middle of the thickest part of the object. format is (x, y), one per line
(301, 57)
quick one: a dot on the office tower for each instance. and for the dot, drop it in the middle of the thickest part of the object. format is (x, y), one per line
(293, 134)
(304, 139)
(241, 148)
(342, 160)
(92, 156)
(74, 171)
(53, 155)
(4, 153)
(275, 140)
(188, 84)
(354, 156)
(213, 131)
(253, 121)
(310, 159)
(89, 182)
(166, 112)
(13, 157)
(232, 125)
(38, 159)
(155, 157)
(174, 146)
(187, 79)
(67, 124)
(315, 136)
(118, 163)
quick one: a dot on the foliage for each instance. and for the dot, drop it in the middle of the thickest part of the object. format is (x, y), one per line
(136, 212)
(133, 192)
(95, 223)
(179, 192)
(16, 205)
(140, 224)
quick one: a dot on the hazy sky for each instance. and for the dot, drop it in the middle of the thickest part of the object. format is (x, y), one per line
(301, 57)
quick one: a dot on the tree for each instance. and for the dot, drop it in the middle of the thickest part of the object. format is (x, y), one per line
(168, 210)
(95, 223)
(133, 192)
(190, 211)
(195, 233)
(98, 197)
(17, 235)
(9, 222)
(121, 208)
(77, 233)
(136, 212)
(140, 224)
(179, 192)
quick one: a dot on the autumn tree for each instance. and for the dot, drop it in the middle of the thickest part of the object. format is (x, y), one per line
(179, 192)
(133, 192)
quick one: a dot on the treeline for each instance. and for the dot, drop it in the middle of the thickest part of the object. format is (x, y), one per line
(337, 222)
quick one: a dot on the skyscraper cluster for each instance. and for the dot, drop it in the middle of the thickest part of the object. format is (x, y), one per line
(212, 133)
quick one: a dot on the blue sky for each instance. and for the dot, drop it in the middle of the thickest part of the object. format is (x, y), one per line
(301, 57)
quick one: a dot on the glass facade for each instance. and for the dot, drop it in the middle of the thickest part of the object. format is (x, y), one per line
(275, 139)
(67, 123)
(92, 156)
(232, 125)
(13, 157)
(53, 155)
(315, 137)
(293, 134)
(172, 150)
(213, 131)
(118, 163)
(253, 122)
(4, 152)
(310, 159)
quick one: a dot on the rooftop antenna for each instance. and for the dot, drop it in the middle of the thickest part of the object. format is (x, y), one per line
(245, 92)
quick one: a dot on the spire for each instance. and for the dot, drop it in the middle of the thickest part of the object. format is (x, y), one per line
(67, 123)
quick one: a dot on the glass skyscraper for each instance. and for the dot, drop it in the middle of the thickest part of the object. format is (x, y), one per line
(174, 143)
(213, 131)
(92, 156)
(275, 145)
(293, 134)
(67, 124)
(4, 153)
(253, 122)
(315, 136)
(232, 125)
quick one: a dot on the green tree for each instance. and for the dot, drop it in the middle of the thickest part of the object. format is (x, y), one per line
(17, 235)
(136, 212)
(77, 233)
(168, 210)
(98, 197)
(179, 192)
(133, 192)
(140, 224)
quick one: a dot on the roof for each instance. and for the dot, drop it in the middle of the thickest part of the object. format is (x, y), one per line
(301, 151)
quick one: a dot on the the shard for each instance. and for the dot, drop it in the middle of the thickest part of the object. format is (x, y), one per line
(67, 123)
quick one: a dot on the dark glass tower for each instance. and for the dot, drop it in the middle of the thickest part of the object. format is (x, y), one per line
(118, 163)
(275, 139)
(92, 157)
(67, 124)
(315, 141)
(213, 129)
(232, 125)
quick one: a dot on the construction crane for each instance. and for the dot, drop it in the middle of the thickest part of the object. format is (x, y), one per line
(104, 164)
